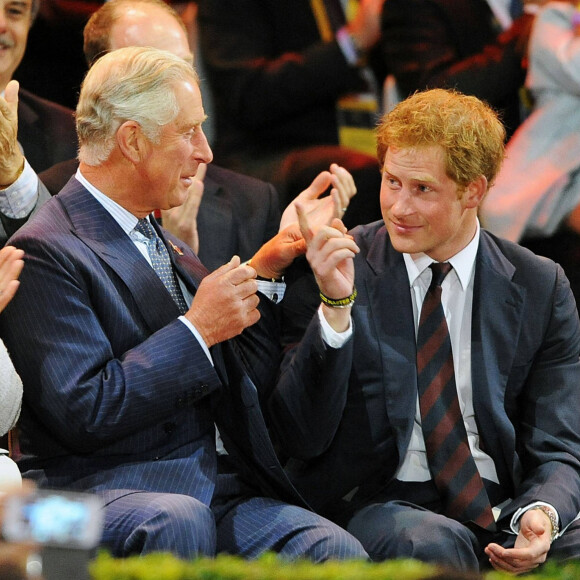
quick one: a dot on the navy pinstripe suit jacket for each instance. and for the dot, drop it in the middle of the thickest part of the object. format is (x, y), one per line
(118, 392)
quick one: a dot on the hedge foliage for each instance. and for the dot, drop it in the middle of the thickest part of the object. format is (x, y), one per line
(270, 567)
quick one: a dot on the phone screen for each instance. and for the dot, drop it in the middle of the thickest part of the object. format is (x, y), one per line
(54, 518)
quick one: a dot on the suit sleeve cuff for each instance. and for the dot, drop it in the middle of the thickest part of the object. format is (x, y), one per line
(198, 337)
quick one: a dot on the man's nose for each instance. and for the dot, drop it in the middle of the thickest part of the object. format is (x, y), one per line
(202, 151)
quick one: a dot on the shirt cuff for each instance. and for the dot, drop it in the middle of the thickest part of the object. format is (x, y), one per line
(274, 291)
(198, 338)
(329, 335)
(515, 522)
(19, 199)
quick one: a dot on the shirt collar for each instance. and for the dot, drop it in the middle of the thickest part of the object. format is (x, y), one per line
(123, 217)
(463, 262)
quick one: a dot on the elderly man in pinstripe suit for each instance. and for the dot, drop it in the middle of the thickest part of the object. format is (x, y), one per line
(123, 387)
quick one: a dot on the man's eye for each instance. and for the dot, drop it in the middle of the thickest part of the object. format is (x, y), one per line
(17, 11)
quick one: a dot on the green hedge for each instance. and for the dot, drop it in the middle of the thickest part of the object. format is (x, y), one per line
(270, 567)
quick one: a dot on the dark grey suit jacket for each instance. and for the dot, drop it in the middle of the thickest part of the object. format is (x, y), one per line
(525, 376)
(46, 131)
(9, 226)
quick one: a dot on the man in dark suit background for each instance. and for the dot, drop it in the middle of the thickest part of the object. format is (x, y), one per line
(474, 46)
(126, 367)
(30, 126)
(276, 81)
(367, 453)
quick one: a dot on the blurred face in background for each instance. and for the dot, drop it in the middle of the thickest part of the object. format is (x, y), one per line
(15, 21)
(147, 25)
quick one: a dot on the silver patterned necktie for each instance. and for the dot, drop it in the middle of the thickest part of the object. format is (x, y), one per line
(161, 262)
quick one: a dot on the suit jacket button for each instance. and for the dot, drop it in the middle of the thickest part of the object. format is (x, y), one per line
(169, 427)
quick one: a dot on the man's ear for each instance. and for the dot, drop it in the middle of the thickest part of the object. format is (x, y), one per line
(475, 192)
(131, 141)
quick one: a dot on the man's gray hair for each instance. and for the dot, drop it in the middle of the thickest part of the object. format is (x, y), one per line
(128, 84)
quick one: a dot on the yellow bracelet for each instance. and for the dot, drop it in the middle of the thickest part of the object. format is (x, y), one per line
(341, 302)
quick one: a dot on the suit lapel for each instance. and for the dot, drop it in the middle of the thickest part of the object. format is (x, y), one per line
(100, 232)
(496, 324)
(390, 308)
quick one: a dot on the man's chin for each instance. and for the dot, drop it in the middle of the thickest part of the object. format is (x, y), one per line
(405, 245)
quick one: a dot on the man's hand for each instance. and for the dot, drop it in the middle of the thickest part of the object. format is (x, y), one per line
(531, 547)
(11, 158)
(11, 264)
(365, 27)
(319, 210)
(277, 254)
(181, 221)
(330, 253)
(225, 302)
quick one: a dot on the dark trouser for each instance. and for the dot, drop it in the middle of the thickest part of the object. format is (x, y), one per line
(403, 522)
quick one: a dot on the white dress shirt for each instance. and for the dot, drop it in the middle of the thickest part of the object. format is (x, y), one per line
(457, 300)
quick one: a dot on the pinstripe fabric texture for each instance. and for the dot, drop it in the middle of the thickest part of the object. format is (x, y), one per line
(120, 399)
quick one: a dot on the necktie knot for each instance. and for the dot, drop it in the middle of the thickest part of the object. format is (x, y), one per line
(144, 227)
(440, 270)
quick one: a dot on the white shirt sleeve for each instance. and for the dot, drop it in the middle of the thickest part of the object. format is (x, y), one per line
(329, 335)
(18, 200)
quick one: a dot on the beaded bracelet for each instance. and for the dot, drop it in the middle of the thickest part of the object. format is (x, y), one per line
(341, 302)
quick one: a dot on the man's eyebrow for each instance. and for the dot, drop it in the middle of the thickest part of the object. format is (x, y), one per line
(20, 4)
(419, 177)
(424, 178)
(188, 126)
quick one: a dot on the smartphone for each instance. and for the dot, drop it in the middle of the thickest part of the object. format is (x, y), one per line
(54, 518)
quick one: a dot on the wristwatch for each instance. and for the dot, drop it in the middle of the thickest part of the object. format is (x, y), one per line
(553, 520)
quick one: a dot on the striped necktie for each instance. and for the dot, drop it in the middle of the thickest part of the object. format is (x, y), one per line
(161, 262)
(450, 460)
